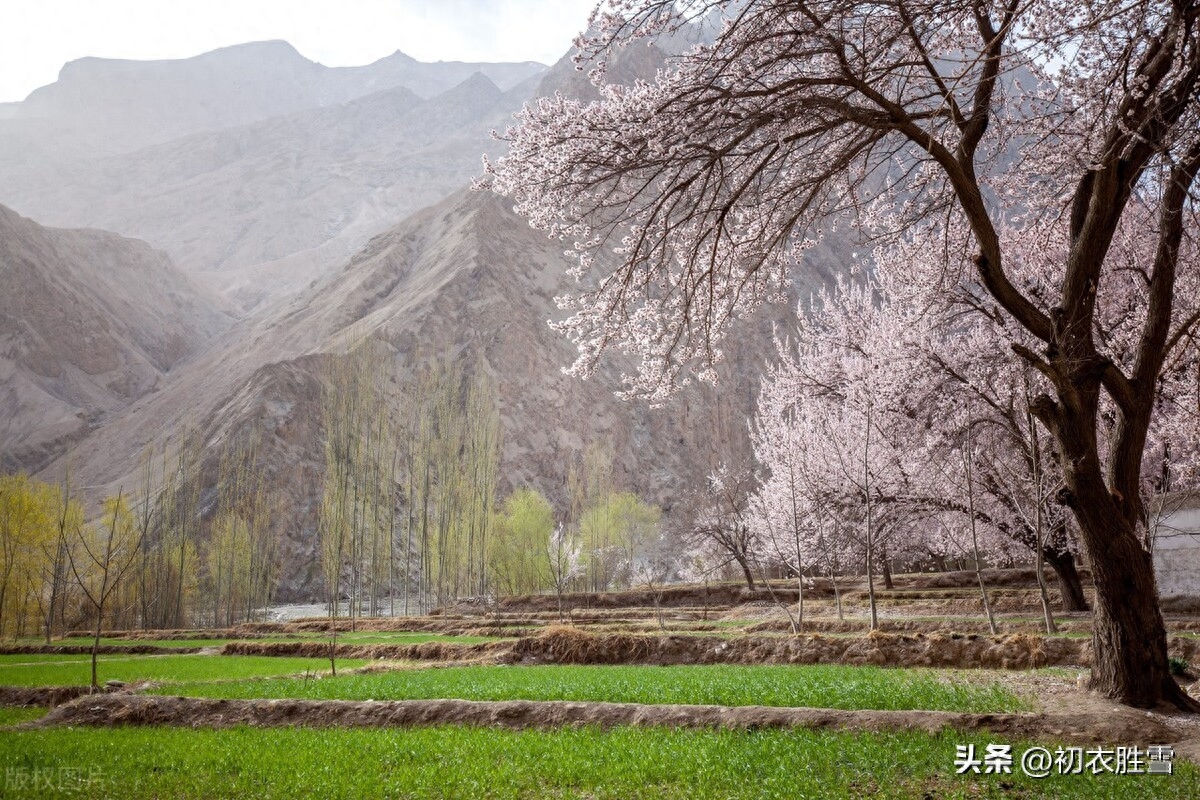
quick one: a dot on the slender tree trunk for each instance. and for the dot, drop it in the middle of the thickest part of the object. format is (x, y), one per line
(1039, 525)
(837, 594)
(870, 529)
(969, 460)
(96, 649)
(799, 602)
(1047, 614)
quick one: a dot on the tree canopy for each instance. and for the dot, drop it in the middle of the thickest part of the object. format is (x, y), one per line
(1033, 164)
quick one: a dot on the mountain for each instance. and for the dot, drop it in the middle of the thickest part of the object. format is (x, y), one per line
(343, 219)
(259, 211)
(466, 279)
(89, 322)
(110, 105)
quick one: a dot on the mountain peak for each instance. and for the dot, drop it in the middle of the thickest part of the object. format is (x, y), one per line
(477, 85)
(277, 49)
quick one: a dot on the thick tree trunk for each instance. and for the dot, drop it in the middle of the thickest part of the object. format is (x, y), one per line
(1129, 639)
(1070, 585)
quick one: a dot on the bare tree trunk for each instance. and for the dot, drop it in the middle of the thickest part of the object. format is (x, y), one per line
(1070, 585)
(1039, 524)
(969, 460)
(745, 565)
(1129, 639)
(870, 529)
(799, 602)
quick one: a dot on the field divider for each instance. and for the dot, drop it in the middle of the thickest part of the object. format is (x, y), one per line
(117, 710)
(569, 645)
(86, 650)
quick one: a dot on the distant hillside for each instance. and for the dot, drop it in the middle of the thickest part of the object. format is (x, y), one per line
(110, 105)
(89, 322)
(260, 210)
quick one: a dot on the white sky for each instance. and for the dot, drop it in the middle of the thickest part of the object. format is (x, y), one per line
(38, 36)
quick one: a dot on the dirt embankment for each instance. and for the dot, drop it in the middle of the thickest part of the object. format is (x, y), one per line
(568, 645)
(40, 695)
(564, 645)
(453, 625)
(1108, 726)
(913, 626)
(732, 594)
(105, 649)
(560, 644)
(426, 651)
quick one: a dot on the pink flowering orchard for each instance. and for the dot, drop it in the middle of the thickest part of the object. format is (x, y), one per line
(1020, 145)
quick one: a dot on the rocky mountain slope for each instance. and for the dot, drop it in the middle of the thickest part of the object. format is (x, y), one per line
(89, 322)
(463, 279)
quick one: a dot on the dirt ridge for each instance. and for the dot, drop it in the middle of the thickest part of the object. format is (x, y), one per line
(136, 710)
(104, 649)
(27, 696)
(569, 645)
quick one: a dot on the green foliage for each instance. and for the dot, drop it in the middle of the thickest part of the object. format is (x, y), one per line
(15, 716)
(518, 558)
(1179, 665)
(451, 465)
(479, 762)
(817, 686)
(30, 559)
(615, 531)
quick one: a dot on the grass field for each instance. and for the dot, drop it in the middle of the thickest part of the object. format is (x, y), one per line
(51, 670)
(460, 762)
(15, 716)
(455, 762)
(819, 686)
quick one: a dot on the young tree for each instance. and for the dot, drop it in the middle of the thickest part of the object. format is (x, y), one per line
(68, 520)
(652, 567)
(107, 551)
(987, 130)
(699, 563)
(721, 514)
(519, 559)
(566, 562)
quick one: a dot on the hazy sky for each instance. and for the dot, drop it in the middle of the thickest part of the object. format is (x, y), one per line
(38, 37)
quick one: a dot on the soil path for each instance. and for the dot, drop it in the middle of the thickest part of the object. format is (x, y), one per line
(1107, 726)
